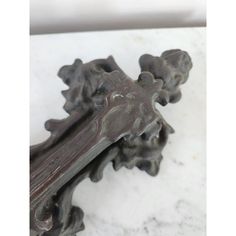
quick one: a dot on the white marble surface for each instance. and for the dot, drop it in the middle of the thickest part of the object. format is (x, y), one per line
(129, 202)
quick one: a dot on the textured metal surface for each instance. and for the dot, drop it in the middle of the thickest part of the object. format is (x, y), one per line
(111, 118)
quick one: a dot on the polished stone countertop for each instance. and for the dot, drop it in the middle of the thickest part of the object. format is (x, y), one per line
(129, 202)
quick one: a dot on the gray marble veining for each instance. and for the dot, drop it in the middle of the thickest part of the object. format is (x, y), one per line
(133, 203)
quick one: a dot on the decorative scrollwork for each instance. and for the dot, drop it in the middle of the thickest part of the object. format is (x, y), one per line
(111, 119)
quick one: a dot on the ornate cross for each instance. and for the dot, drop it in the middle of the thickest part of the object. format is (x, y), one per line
(111, 118)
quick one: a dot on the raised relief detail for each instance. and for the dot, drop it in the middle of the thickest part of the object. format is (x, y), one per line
(112, 118)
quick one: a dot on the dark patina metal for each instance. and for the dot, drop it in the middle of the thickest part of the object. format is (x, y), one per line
(112, 118)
